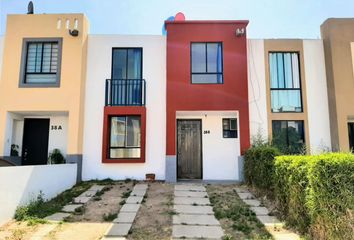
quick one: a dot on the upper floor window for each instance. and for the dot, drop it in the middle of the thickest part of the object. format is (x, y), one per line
(285, 86)
(127, 63)
(41, 61)
(206, 63)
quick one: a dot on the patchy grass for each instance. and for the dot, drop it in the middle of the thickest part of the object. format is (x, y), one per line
(40, 208)
(235, 217)
(109, 217)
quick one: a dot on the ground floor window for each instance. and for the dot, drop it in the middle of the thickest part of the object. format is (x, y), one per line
(351, 135)
(289, 136)
(229, 127)
(125, 137)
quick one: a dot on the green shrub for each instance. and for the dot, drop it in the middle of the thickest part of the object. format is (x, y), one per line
(55, 157)
(316, 193)
(290, 181)
(331, 196)
(259, 167)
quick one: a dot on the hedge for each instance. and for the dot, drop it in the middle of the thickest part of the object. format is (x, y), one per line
(316, 193)
(259, 167)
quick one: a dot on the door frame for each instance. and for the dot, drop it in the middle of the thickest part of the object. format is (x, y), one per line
(201, 143)
(23, 134)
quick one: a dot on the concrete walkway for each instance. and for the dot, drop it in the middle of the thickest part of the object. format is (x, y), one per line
(272, 224)
(123, 223)
(194, 217)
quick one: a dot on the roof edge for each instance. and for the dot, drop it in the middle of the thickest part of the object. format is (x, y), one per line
(245, 22)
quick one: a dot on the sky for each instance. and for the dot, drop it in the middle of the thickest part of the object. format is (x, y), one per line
(268, 18)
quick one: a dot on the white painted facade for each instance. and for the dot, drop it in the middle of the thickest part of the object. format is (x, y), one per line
(317, 99)
(154, 72)
(219, 155)
(257, 91)
(57, 137)
(19, 185)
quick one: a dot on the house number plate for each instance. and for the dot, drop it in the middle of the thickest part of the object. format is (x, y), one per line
(56, 127)
(206, 132)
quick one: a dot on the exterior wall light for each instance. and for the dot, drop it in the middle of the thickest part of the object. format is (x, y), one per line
(240, 32)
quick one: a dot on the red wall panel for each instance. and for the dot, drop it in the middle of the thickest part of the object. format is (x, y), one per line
(184, 96)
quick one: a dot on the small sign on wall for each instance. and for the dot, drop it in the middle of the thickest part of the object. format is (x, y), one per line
(206, 132)
(56, 127)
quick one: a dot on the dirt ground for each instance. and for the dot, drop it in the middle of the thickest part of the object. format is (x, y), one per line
(154, 219)
(235, 217)
(14, 230)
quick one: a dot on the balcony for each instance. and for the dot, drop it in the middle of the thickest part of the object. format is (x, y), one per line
(125, 92)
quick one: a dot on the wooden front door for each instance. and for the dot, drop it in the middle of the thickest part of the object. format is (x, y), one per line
(189, 149)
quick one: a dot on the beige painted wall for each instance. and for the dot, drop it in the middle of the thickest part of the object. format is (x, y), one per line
(69, 97)
(1, 53)
(338, 35)
(286, 45)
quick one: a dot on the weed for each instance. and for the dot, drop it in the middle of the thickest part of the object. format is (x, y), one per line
(227, 237)
(122, 202)
(96, 198)
(171, 212)
(109, 217)
(40, 208)
(126, 194)
(79, 210)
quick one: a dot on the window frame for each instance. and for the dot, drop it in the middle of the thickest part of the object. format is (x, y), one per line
(125, 137)
(287, 128)
(127, 48)
(123, 111)
(286, 89)
(235, 130)
(206, 62)
(23, 66)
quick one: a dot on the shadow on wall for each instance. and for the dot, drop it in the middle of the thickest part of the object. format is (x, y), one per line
(20, 184)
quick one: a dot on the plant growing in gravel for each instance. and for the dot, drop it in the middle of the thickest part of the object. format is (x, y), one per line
(122, 202)
(96, 198)
(109, 217)
(79, 210)
(126, 194)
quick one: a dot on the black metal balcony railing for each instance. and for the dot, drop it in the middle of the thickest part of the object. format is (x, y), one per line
(125, 92)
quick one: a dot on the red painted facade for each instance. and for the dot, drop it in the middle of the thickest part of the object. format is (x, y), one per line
(123, 111)
(184, 96)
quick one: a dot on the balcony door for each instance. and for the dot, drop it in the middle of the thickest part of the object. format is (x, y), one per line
(126, 82)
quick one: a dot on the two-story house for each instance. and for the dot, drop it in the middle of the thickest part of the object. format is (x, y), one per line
(184, 105)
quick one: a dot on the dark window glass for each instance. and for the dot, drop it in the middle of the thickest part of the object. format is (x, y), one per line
(351, 136)
(229, 127)
(285, 84)
(125, 137)
(289, 136)
(41, 62)
(206, 61)
(127, 63)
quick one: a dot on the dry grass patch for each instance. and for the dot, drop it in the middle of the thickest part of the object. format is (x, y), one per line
(153, 220)
(235, 217)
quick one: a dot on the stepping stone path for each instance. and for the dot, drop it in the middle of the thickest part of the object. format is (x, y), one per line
(65, 212)
(194, 216)
(272, 224)
(123, 223)
(77, 203)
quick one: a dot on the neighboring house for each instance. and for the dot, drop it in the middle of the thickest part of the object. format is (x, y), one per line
(181, 106)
